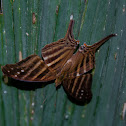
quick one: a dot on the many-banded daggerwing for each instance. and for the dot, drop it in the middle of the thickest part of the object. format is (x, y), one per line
(76, 75)
(55, 55)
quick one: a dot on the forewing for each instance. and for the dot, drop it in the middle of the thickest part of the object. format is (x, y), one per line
(79, 88)
(57, 53)
(85, 63)
(78, 65)
(32, 68)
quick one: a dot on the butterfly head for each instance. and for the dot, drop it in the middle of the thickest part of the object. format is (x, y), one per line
(83, 48)
(77, 42)
(73, 43)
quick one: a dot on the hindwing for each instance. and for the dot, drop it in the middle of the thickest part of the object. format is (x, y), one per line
(79, 88)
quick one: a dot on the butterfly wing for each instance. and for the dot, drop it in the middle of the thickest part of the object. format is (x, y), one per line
(79, 88)
(77, 65)
(83, 64)
(32, 68)
(56, 54)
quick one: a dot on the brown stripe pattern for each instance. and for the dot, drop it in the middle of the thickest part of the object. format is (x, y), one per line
(56, 54)
(85, 63)
(77, 65)
(30, 69)
(79, 87)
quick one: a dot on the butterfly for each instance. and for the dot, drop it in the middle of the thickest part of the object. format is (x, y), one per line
(60, 63)
(55, 55)
(76, 76)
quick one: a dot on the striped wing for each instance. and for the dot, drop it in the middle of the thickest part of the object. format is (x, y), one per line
(82, 63)
(79, 88)
(77, 65)
(56, 54)
(30, 69)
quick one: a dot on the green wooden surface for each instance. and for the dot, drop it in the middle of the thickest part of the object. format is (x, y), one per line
(47, 106)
